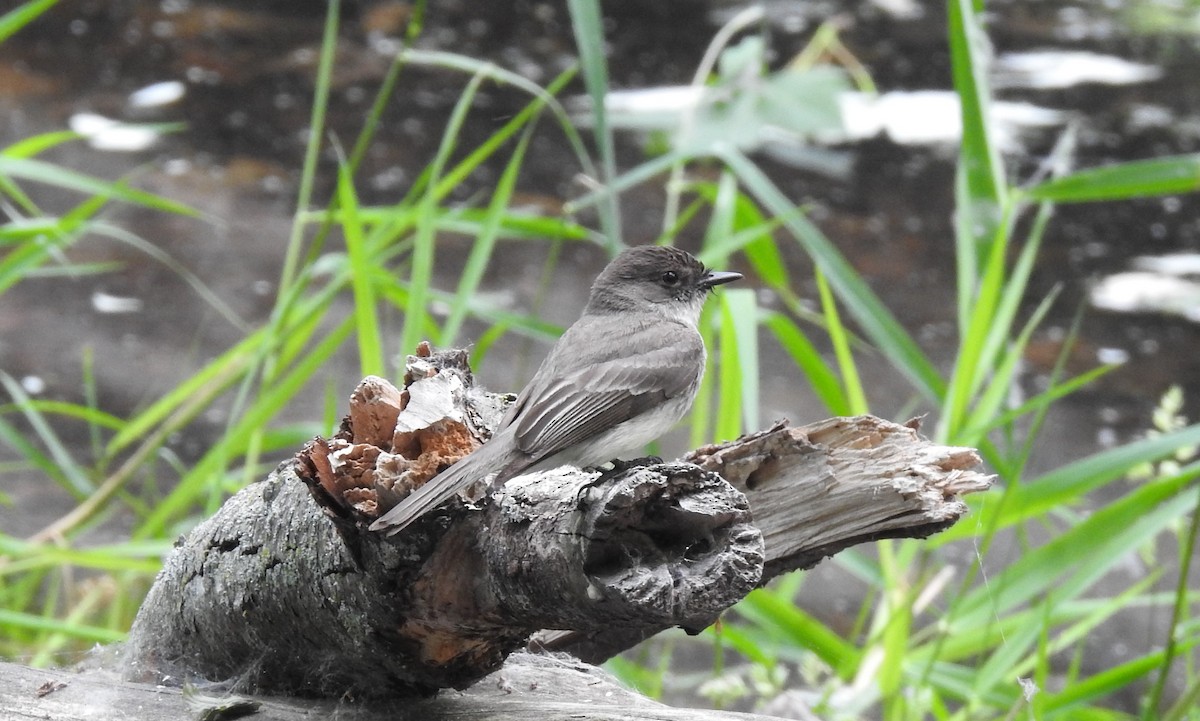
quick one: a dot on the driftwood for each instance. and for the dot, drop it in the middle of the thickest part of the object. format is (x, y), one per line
(546, 688)
(283, 595)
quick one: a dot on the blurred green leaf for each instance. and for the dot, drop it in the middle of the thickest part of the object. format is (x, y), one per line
(22, 15)
(588, 26)
(791, 624)
(30, 621)
(980, 161)
(819, 375)
(362, 272)
(1138, 179)
(739, 316)
(1067, 484)
(1067, 564)
(50, 174)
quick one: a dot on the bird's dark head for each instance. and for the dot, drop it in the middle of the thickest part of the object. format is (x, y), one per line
(656, 278)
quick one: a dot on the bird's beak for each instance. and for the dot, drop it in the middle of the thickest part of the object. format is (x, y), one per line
(718, 277)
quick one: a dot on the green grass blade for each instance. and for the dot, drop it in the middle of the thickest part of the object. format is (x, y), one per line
(1180, 610)
(22, 15)
(75, 476)
(412, 31)
(701, 416)
(42, 172)
(421, 273)
(40, 239)
(312, 147)
(970, 366)
(1110, 680)
(485, 342)
(721, 220)
(856, 399)
(645, 172)
(1136, 179)
(267, 405)
(528, 326)
(29, 147)
(739, 313)
(145, 558)
(997, 326)
(485, 243)
(786, 621)
(764, 255)
(1067, 564)
(156, 253)
(543, 97)
(210, 380)
(737, 224)
(1185, 706)
(31, 456)
(514, 225)
(966, 249)
(804, 354)
(1038, 402)
(989, 405)
(729, 418)
(980, 160)
(28, 621)
(588, 27)
(362, 280)
(1067, 484)
(89, 415)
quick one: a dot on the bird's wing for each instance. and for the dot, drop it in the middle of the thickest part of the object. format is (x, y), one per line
(556, 413)
(593, 399)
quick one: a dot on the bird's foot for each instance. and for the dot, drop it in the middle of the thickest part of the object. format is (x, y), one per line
(620, 466)
(616, 467)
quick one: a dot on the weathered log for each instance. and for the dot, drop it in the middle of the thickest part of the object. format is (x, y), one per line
(287, 596)
(546, 688)
(818, 489)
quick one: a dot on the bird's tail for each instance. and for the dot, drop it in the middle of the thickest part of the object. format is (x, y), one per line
(442, 487)
(435, 492)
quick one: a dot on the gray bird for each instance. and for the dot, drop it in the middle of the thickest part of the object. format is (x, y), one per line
(618, 378)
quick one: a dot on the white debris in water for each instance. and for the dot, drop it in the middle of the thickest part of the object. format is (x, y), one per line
(107, 303)
(670, 100)
(1147, 115)
(157, 95)
(107, 134)
(1043, 69)
(1174, 264)
(1143, 292)
(1166, 284)
(930, 117)
(1112, 356)
(919, 117)
(177, 166)
(33, 385)
(910, 118)
(901, 9)
(90, 123)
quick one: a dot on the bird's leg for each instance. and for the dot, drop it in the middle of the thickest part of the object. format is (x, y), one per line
(616, 467)
(620, 466)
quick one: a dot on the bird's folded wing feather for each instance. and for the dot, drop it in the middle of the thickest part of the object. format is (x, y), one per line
(594, 399)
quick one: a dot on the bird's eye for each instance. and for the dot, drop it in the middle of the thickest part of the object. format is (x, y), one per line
(670, 277)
